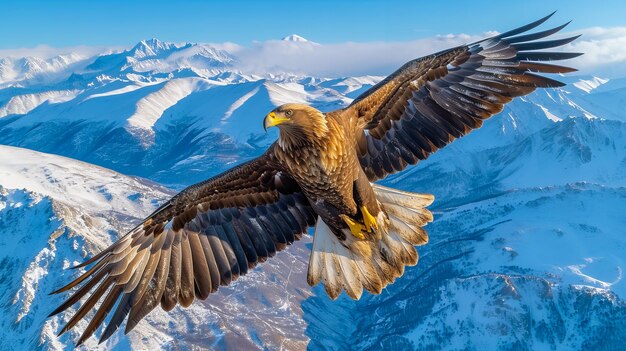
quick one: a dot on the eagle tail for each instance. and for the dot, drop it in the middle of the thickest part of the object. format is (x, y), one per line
(371, 264)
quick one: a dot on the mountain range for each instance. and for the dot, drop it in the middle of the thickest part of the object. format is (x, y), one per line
(526, 251)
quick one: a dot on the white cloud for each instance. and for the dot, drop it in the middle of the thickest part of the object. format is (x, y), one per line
(344, 59)
(46, 52)
(603, 50)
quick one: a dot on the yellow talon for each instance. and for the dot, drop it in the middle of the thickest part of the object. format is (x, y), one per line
(369, 220)
(356, 228)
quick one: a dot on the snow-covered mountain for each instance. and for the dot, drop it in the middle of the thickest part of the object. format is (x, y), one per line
(160, 110)
(34, 70)
(55, 211)
(527, 249)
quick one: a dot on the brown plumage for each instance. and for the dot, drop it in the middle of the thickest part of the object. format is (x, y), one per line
(319, 171)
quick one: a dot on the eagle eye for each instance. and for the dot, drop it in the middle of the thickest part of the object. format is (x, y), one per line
(288, 113)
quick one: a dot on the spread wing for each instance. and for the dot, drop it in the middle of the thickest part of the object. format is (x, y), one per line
(433, 100)
(206, 236)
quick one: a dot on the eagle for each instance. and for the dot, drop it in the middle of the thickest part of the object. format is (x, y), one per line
(321, 173)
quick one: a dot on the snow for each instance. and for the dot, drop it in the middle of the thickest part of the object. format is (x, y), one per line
(70, 181)
(580, 250)
(152, 47)
(549, 114)
(35, 70)
(125, 89)
(152, 106)
(22, 104)
(558, 244)
(238, 103)
(295, 37)
(587, 85)
(71, 210)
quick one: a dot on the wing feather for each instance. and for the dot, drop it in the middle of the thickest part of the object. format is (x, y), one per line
(141, 306)
(224, 270)
(229, 254)
(172, 285)
(431, 101)
(103, 311)
(186, 289)
(200, 266)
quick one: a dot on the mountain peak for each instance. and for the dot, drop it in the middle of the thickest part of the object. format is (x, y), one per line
(152, 47)
(295, 38)
(587, 85)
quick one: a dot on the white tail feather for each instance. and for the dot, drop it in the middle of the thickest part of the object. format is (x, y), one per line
(354, 264)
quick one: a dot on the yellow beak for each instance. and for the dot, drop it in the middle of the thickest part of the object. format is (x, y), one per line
(272, 120)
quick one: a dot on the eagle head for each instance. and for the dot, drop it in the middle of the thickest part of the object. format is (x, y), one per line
(299, 125)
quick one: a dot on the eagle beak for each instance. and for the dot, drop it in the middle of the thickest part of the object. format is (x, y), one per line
(272, 120)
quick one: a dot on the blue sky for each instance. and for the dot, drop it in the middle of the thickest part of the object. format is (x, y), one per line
(121, 23)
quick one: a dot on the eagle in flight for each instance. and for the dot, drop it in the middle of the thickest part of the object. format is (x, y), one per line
(320, 173)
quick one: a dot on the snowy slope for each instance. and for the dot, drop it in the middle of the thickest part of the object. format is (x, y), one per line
(529, 269)
(56, 211)
(34, 70)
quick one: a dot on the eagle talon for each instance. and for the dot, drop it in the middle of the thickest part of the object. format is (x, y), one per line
(370, 221)
(356, 228)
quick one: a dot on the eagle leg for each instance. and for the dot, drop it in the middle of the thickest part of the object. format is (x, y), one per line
(356, 228)
(370, 221)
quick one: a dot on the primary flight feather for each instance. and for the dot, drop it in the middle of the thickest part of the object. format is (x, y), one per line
(319, 173)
